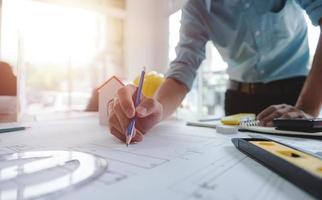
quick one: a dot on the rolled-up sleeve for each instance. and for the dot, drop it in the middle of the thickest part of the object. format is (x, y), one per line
(191, 47)
(313, 8)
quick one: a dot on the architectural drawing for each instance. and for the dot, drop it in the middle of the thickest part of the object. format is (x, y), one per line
(172, 162)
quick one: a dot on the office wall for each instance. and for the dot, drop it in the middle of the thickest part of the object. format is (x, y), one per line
(146, 36)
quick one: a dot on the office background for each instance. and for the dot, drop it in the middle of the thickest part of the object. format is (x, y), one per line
(62, 50)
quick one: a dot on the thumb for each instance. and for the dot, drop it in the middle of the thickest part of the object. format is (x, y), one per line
(147, 107)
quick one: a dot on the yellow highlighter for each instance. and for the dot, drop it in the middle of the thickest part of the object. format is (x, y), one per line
(234, 120)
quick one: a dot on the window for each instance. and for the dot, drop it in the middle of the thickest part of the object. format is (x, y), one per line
(207, 95)
(61, 51)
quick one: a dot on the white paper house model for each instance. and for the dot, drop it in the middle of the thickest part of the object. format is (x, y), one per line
(106, 92)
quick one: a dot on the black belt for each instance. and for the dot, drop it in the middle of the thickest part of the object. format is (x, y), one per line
(284, 86)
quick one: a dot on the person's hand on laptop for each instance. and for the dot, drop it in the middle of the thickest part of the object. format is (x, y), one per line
(121, 110)
(285, 111)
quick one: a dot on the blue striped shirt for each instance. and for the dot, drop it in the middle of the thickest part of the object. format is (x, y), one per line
(261, 40)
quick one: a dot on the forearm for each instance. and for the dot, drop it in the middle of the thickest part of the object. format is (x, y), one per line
(170, 94)
(310, 99)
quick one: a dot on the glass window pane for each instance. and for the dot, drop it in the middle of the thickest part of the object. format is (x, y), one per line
(64, 52)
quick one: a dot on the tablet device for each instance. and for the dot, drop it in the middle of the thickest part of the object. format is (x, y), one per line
(303, 125)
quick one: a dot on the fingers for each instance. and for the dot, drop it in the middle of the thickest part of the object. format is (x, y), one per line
(121, 117)
(110, 105)
(148, 107)
(119, 122)
(269, 114)
(291, 115)
(280, 111)
(271, 109)
(296, 114)
(267, 120)
(115, 124)
(122, 110)
(138, 137)
(112, 117)
(117, 134)
(121, 135)
(125, 96)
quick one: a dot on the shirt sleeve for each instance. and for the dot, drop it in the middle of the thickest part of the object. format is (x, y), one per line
(313, 8)
(191, 47)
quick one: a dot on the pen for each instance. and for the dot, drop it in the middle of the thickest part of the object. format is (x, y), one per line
(130, 128)
(12, 129)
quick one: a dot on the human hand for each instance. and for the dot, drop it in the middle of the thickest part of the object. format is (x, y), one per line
(121, 110)
(280, 111)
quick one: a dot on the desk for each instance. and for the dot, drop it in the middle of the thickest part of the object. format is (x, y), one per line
(172, 162)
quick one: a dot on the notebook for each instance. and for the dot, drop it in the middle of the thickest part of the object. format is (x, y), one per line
(235, 120)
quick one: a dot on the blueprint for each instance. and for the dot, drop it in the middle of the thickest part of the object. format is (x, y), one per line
(173, 161)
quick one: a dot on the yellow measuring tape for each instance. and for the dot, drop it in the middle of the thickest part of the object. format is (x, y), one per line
(302, 160)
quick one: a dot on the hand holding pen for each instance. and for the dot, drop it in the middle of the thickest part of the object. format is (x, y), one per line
(130, 128)
(147, 113)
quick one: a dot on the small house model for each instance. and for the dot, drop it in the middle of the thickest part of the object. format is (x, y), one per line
(106, 92)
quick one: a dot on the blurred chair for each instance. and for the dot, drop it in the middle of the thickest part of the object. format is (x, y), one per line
(8, 81)
(8, 94)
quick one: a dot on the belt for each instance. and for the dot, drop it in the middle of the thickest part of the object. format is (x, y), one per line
(284, 86)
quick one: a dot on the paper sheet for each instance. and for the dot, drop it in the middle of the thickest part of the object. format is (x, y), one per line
(173, 161)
